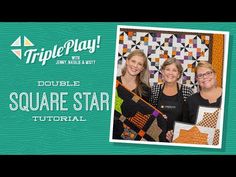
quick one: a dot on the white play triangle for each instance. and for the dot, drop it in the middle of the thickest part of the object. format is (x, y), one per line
(27, 42)
(17, 42)
(17, 52)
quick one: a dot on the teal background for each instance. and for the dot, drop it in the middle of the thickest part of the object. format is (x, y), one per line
(20, 135)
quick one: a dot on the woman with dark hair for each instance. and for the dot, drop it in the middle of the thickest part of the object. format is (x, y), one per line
(170, 96)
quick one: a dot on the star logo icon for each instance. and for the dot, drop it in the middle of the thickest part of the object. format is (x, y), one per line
(18, 43)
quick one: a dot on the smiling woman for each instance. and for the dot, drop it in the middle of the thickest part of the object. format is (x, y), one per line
(210, 94)
(170, 96)
(135, 74)
(135, 78)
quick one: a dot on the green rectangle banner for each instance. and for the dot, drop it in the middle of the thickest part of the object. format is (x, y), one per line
(57, 82)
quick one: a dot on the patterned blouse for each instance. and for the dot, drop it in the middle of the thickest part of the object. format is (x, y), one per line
(155, 92)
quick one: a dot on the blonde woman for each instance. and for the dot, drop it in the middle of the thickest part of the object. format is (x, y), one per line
(135, 77)
(135, 74)
(209, 95)
(170, 96)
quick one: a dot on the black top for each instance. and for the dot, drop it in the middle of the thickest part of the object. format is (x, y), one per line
(171, 106)
(172, 111)
(156, 89)
(146, 89)
(192, 105)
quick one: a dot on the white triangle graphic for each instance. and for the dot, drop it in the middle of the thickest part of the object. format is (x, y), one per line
(27, 42)
(17, 42)
(17, 52)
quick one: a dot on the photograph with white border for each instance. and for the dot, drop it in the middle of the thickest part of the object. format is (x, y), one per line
(169, 86)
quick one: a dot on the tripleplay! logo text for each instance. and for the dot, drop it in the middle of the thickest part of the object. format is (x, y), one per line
(23, 48)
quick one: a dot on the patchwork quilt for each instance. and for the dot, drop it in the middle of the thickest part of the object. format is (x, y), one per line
(188, 48)
(206, 130)
(135, 119)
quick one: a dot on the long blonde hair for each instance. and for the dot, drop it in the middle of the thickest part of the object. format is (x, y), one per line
(143, 76)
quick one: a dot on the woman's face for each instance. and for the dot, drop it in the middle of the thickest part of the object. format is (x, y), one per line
(170, 73)
(206, 78)
(135, 65)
